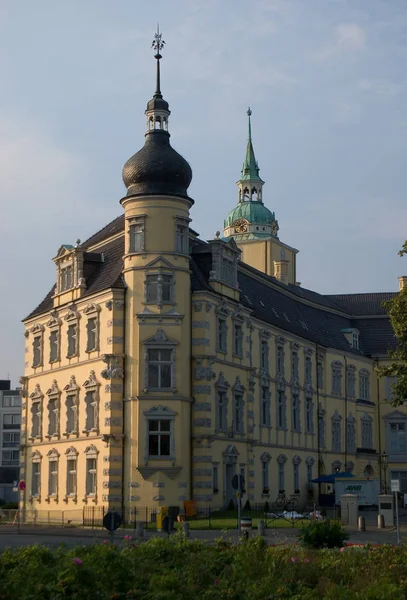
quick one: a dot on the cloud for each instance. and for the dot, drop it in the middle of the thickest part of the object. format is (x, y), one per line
(350, 36)
(381, 87)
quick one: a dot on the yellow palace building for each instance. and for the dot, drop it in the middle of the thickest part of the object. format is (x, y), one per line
(159, 365)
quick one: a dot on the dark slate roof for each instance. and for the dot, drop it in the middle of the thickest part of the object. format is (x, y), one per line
(115, 226)
(99, 275)
(362, 304)
(376, 335)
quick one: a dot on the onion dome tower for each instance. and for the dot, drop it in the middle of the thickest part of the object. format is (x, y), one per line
(157, 169)
(250, 219)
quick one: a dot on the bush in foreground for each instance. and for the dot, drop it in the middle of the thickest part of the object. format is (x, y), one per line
(175, 569)
(323, 534)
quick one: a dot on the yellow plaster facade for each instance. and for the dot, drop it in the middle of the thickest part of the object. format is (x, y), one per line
(159, 366)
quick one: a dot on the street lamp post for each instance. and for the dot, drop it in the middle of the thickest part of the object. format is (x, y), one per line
(384, 462)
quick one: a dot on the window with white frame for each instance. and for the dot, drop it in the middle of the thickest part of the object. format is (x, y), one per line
(280, 361)
(265, 467)
(281, 460)
(11, 421)
(215, 479)
(66, 278)
(355, 339)
(137, 234)
(91, 475)
(295, 417)
(53, 416)
(264, 356)
(36, 419)
(364, 384)
(71, 413)
(281, 410)
(367, 431)
(92, 331)
(11, 401)
(159, 288)
(222, 331)
(54, 345)
(238, 414)
(265, 406)
(10, 457)
(71, 475)
(336, 432)
(72, 340)
(159, 437)
(308, 370)
(238, 340)
(351, 433)
(91, 410)
(53, 458)
(159, 365)
(35, 476)
(337, 378)
(37, 351)
(398, 438)
(11, 439)
(181, 237)
(309, 415)
(351, 383)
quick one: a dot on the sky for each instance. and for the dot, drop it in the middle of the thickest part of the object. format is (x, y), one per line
(326, 81)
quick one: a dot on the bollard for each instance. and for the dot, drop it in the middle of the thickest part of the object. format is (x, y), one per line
(185, 529)
(361, 524)
(261, 527)
(139, 530)
(380, 521)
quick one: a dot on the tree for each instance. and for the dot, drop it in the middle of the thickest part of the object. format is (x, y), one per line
(397, 311)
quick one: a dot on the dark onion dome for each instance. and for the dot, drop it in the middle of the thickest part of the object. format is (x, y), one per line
(157, 169)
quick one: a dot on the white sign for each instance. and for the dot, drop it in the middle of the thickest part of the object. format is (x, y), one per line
(366, 490)
(395, 485)
(15, 486)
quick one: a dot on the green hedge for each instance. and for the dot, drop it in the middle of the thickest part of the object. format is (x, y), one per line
(175, 569)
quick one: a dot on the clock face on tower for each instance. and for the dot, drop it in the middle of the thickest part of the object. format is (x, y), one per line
(240, 226)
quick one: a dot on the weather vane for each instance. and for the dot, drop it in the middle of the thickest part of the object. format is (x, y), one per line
(158, 42)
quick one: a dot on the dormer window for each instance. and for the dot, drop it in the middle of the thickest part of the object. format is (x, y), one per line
(355, 339)
(66, 278)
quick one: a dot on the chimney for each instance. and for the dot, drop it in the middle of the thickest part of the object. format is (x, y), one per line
(402, 282)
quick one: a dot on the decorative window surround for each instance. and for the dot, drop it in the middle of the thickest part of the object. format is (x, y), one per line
(321, 426)
(238, 406)
(349, 466)
(295, 363)
(265, 405)
(364, 384)
(92, 327)
(281, 460)
(296, 411)
(91, 457)
(336, 421)
(72, 403)
(351, 384)
(36, 411)
(54, 405)
(336, 466)
(281, 418)
(37, 345)
(337, 368)
(71, 474)
(351, 433)
(310, 463)
(225, 257)
(265, 459)
(36, 459)
(159, 288)
(367, 431)
(69, 266)
(160, 416)
(181, 244)
(308, 370)
(222, 314)
(72, 318)
(238, 339)
(159, 341)
(309, 414)
(221, 387)
(280, 342)
(296, 472)
(320, 367)
(53, 471)
(92, 386)
(136, 234)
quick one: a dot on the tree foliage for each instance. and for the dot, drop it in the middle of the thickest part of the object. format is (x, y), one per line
(397, 311)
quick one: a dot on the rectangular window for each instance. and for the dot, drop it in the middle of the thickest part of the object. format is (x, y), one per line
(320, 375)
(265, 407)
(91, 411)
(367, 434)
(53, 417)
(238, 416)
(355, 340)
(222, 335)
(159, 437)
(364, 387)
(264, 356)
(309, 414)
(281, 476)
(296, 413)
(265, 476)
(72, 340)
(66, 280)
(91, 328)
(215, 476)
(336, 381)
(181, 238)
(280, 361)
(71, 414)
(308, 370)
(10, 457)
(280, 410)
(11, 401)
(36, 419)
(11, 440)
(37, 351)
(11, 421)
(351, 436)
(159, 365)
(71, 477)
(238, 340)
(221, 411)
(296, 477)
(336, 436)
(351, 384)
(36, 479)
(398, 437)
(136, 233)
(54, 346)
(159, 289)
(309, 476)
(294, 365)
(91, 476)
(53, 478)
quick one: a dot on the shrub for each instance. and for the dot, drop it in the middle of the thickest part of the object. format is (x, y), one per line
(323, 534)
(247, 506)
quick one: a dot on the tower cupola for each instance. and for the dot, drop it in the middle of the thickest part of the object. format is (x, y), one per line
(157, 169)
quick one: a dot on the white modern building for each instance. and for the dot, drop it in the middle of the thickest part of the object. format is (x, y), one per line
(10, 426)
